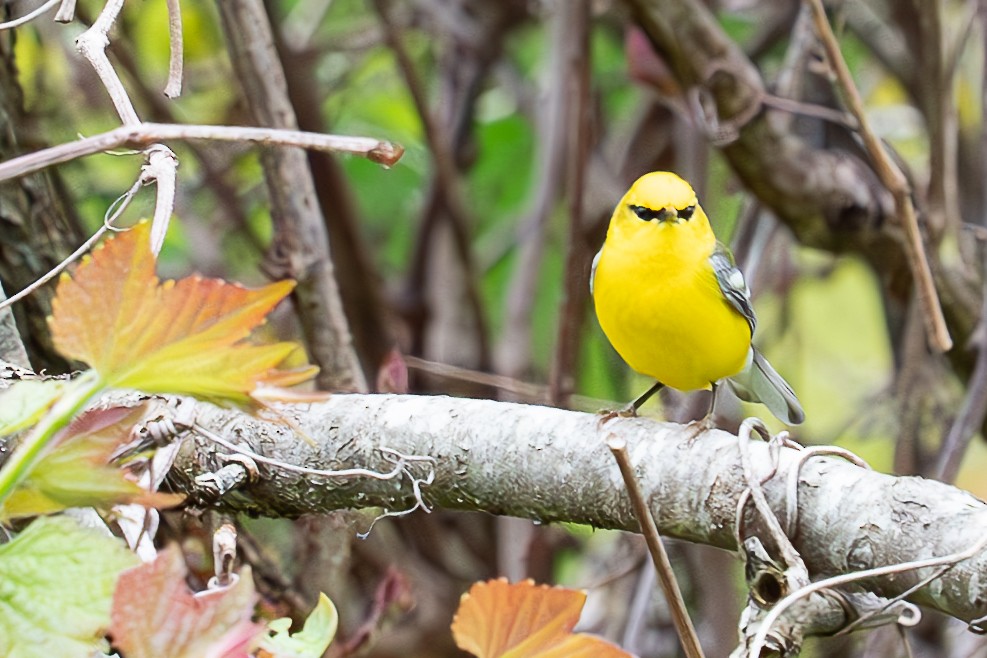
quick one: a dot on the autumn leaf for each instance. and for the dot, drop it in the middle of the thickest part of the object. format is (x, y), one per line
(58, 581)
(75, 472)
(524, 620)
(155, 615)
(185, 337)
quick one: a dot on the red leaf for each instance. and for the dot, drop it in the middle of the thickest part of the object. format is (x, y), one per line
(155, 615)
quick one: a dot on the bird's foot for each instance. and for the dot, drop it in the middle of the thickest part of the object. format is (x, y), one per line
(606, 415)
(694, 428)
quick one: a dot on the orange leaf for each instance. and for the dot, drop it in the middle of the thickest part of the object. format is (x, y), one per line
(525, 620)
(173, 337)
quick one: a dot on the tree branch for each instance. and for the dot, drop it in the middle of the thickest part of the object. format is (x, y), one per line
(302, 242)
(893, 178)
(553, 465)
(145, 134)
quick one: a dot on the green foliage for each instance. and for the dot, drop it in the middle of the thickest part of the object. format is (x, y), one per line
(500, 180)
(56, 587)
(24, 402)
(312, 640)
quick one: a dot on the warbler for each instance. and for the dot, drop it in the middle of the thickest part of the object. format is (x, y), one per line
(673, 303)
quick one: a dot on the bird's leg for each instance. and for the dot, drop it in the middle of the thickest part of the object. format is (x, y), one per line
(630, 410)
(707, 422)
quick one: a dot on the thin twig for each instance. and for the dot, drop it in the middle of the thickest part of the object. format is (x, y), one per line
(974, 409)
(792, 487)
(66, 12)
(30, 16)
(518, 388)
(144, 134)
(112, 214)
(416, 487)
(892, 178)
(811, 110)
(447, 178)
(555, 149)
(576, 71)
(680, 615)
(173, 88)
(162, 168)
(301, 243)
(92, 44)
(845, 579)
(400, 463)
(900, 598)
(438, 140)
(791, 556)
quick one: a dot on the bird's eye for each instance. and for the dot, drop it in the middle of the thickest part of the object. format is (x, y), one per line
(686, 213)
(647, 214)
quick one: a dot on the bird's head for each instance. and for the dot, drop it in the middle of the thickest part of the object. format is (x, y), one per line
(661, 205)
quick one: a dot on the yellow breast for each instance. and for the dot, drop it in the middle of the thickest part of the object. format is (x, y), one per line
(658, 301)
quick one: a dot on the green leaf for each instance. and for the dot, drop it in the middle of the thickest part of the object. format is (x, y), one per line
(26, 401)
(75, 471)
(56, 588)
(312, 640)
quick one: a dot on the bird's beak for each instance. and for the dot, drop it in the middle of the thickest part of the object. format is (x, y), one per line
(666, 214)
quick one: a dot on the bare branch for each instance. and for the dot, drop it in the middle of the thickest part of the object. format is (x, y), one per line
(893, 179)
(66, 12)
(553, 465)
(92, 45)
(173, 88)
(112, 214)
(162, 168)
(663, 566)
(558, 119)
(144, 134)
(862, 575)
(974, 409)
(301, 240)
(30, 16)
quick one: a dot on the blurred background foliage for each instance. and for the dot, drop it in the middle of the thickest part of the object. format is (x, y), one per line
(489, 76)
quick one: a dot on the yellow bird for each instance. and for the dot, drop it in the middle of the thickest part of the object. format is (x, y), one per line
(674, 305)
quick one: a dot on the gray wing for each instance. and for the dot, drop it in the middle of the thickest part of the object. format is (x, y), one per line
(759, 382)
(732, 284)
(592, 272)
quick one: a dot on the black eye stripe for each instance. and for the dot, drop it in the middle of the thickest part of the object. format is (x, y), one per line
(647, 214)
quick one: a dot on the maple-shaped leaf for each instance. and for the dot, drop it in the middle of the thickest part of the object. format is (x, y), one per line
(57, 586)
(524, 620)
(75, 471)
(183, 337)
(155, 615)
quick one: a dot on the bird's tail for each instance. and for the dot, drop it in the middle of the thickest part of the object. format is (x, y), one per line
(759, 382)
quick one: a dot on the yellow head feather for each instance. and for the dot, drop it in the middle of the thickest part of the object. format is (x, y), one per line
(639, 223)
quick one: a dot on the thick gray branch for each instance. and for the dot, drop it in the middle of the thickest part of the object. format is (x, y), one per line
(302, 241)
(553, 465)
